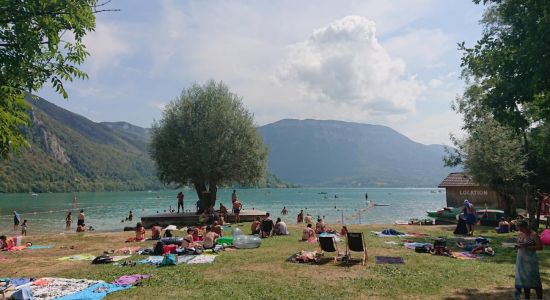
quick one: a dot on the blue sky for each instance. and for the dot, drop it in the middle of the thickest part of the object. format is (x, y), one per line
(392, 63)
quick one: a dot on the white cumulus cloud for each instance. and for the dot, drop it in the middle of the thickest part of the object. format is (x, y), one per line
(344, 64)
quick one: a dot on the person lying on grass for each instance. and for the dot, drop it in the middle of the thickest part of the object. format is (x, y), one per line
(6, 243)
(482, 248)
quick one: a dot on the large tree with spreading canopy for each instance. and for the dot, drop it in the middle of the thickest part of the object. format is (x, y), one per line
(506, 107)
(207, 138)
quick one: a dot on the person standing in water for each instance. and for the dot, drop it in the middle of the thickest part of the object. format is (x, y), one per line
(80, 218)
(68, 221)
(16, 220)
(180, 201)
(366, 196)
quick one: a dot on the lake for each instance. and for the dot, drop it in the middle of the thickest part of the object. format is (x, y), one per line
(46, 212)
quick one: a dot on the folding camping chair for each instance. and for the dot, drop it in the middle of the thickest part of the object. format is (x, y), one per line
(328, 244)
(356, 242)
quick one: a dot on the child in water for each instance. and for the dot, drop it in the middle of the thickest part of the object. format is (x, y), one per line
(24, 227)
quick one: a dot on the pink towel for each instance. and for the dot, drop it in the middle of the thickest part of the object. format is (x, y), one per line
(130, 279)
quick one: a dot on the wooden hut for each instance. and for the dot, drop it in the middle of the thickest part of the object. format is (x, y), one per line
(459, 186)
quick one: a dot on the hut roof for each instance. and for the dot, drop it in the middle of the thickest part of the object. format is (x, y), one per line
(458, 179)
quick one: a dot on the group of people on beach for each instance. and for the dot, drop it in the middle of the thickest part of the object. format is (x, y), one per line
(265, 226)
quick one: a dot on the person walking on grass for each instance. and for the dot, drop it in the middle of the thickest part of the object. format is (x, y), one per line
(527, 262)
(180, 201)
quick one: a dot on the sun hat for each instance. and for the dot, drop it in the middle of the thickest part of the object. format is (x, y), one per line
(171, 227)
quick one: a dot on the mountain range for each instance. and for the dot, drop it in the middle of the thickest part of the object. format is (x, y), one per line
(336, 153)
(69, 152)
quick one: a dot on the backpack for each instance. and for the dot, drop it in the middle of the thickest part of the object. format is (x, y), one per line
(421, 249)
(440, 242)
(169, 260)
(159, 248)
(102, 259)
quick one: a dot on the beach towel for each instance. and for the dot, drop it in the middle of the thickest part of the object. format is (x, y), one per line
(127, 250)
(20, 281)
(414, 245)
(53, 288)
(77, 257)
(96, 291)
(391, 242)
(34, 247)
(202, 259)
(389, 260)
(381, 234)
(120, 257)
(151, 260)
(183, 259)
(465, 256)
(130, 279)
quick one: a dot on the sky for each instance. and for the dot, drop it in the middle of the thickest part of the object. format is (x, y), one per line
(392, 63)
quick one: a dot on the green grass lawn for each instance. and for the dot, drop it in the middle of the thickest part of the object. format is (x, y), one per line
(263, 272)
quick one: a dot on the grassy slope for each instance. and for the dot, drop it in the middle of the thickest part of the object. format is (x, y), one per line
(263, 272)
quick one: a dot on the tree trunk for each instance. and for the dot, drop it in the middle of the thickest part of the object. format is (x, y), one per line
(530, 205)
(206, 196)
(509, 203)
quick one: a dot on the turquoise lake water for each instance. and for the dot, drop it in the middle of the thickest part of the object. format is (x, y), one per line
(46, 212)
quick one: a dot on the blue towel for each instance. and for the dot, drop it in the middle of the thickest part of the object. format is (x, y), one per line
(95, 292)
(20, 281)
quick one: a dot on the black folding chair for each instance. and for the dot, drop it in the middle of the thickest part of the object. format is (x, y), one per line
(356, 243)
(328, 244)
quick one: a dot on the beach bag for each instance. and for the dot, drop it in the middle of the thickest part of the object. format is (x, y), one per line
(169, 249)
(421, 249)
(102, 259)
(482, 241)
(169, 260)
(159, 248)
(440, 242)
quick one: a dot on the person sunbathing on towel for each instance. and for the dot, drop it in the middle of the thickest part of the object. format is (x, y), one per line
(478, 248)
(309, 234)
(6, 243)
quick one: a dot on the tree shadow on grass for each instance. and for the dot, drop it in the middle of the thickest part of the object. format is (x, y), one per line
(497, 293)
